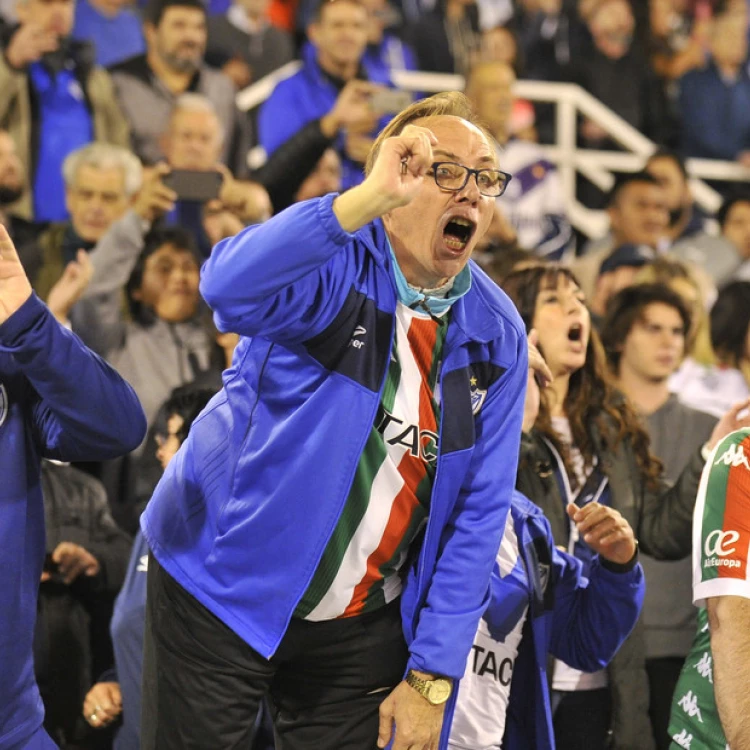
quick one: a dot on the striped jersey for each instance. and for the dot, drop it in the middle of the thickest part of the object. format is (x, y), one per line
(482, 705)
(389, 498)
(721, 542)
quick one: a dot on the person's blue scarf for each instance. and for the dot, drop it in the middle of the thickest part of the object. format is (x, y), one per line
(412, 296)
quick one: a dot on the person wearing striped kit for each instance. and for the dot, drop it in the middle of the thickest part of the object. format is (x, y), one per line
(711, 702)
(326, 533)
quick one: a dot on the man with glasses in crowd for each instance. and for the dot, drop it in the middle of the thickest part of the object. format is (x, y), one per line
(327, 532)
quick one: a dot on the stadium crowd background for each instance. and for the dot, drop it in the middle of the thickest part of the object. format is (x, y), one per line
(102, 101)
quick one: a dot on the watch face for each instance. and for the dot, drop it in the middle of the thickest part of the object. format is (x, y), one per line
(440, 691)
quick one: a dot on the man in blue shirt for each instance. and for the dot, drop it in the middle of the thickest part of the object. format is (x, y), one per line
(57, 400)
(54, 100)
(715, 100)
(331, 94)
(114, 28)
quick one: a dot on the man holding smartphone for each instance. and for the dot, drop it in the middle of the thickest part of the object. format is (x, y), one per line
(210, 201)
(330, 101)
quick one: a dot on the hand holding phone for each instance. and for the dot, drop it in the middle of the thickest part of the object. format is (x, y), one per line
(194, 185)
(389, 101)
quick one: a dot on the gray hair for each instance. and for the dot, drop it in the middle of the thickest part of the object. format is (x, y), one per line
(104, 156)
(198, 103)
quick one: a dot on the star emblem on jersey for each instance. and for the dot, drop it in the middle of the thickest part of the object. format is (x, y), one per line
(3, 404)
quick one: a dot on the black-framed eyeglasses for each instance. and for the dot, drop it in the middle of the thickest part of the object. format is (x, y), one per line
(452, 176)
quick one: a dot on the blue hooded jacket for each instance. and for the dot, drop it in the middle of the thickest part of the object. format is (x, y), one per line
(57, 400)
(581, 620)
(244, 510)
(306, 96)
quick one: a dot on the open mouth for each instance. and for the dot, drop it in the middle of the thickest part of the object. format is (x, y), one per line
(457, 233)
(575, 333)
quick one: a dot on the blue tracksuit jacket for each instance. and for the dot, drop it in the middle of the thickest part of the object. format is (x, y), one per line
(244, 510)
(306, 96)
(61, 401)
(581, 620)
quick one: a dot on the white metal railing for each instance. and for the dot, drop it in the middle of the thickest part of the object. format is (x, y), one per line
(571, 101)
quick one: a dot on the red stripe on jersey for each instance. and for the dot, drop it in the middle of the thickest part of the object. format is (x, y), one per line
(737, 517)
(422, 336)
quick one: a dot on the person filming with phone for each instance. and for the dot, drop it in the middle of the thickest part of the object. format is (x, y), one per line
(337, 99)
(210, 202)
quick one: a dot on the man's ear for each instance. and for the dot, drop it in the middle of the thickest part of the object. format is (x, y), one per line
(149, 32)
(22, 11)
(313, 32)
(164, 140)
(614, 217)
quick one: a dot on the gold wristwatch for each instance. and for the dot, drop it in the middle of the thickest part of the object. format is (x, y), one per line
(435, 691)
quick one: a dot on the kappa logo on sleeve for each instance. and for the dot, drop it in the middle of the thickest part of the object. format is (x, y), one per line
(4, 406)
(734, 456)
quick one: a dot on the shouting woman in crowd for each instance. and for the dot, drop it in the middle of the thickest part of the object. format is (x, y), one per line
(587, 445)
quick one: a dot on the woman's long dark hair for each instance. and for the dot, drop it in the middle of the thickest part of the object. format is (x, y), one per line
(592, 400)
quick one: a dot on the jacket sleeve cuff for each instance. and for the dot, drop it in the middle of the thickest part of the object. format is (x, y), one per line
(330, 222)
(614, 567)
(22, 320)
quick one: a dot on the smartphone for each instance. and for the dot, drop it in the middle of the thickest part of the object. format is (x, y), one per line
(389, 101)
(194, 185)
(52, 568)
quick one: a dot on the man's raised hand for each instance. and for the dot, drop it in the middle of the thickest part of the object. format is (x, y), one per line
(15, 288)
(396, 177)
(402, 164)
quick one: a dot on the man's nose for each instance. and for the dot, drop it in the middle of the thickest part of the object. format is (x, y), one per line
(470, 191)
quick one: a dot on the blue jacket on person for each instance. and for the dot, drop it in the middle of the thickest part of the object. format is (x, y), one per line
(244, 510)
(306, 96)
(57, 400)
(714, 113)
(126, 628)
(581, 620)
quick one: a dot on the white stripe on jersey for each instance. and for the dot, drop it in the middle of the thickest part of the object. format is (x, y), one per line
(479, 718)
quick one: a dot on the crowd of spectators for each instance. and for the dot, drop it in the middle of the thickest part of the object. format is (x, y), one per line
(106, 105)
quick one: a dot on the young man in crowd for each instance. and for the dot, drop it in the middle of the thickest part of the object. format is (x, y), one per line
(644, 336)
(638, 215)
(148, 85)
(711, 703)
(686, 234)
(329, 99)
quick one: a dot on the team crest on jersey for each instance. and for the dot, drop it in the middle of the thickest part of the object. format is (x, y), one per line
(3, 404)
(478, 395)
